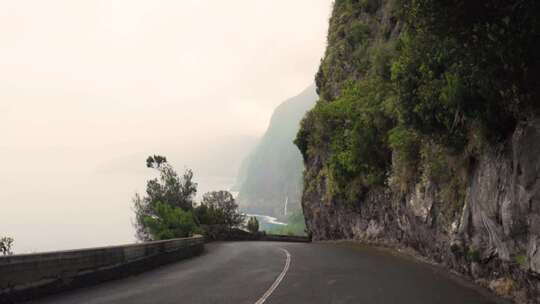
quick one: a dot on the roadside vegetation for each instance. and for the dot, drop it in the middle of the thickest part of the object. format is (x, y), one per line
(168, 209)
(6, 245)
(296, 226)
(253, 225)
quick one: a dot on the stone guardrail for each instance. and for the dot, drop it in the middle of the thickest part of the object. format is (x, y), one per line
(28, 276)
(221, 233)
(285, 238)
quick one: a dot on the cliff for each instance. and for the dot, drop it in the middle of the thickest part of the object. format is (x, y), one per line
(272, 173)
(426, 136)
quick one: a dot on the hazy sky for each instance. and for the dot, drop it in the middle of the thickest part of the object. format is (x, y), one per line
(88, 88)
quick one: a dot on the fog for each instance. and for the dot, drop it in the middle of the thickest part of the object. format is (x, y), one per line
(89, 88)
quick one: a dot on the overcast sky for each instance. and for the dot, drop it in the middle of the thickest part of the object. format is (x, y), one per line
(87, 88)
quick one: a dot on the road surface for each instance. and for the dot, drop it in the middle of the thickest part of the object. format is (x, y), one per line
(267, 272)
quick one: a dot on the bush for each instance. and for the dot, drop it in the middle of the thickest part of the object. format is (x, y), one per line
(370, 6)
(220, 208)
(218, 215)
(477, 64)
(296, 225)
(354, 129)
(358, 33)
(253, 225)
(169, 189)
(405, 145)
(6, 244)
(170, 222)
(521, 260)
(473, 255)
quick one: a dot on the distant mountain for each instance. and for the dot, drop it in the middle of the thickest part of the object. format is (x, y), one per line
(271, 176)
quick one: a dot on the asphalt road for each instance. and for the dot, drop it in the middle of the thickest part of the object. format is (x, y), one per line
(266, 272)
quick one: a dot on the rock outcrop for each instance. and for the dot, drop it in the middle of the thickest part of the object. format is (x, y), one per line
(495, 240)
(492, 237)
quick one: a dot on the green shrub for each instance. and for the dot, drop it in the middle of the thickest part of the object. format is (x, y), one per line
(170, 222)
(253, 225)
(370, 6)
(6, 245)
(358, 33)
(521, 259)
(296, 225)
(405, 145)
(170, 188)
(219, 208)
(354, 129)
(473, 255)
(473, 65)
(218, 215)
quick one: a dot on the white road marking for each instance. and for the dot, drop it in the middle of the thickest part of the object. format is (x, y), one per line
(278, 279)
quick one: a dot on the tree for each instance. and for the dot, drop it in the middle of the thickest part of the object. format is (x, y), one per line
(155, 161)
(169, 189)
(6, 244)
(253, 225)
(220, 208)
(169, 222)
(172, 189)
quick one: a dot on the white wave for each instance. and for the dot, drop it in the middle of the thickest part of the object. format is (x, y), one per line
(268, 219)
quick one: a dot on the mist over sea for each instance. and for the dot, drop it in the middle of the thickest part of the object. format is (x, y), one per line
(85, 209)
(89, 89)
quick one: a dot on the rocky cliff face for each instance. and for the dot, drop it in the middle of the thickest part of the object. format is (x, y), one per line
(496, 238)
(491, 234)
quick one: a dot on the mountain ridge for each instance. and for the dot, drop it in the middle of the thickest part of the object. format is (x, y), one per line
(272, 173)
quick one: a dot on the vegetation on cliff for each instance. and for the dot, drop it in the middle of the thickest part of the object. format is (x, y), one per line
(425, 134)
(412, 90)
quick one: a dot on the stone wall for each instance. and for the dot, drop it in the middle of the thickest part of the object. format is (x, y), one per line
(28, 276)
(285, 238)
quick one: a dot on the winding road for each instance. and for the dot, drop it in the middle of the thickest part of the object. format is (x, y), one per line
(272, 272)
